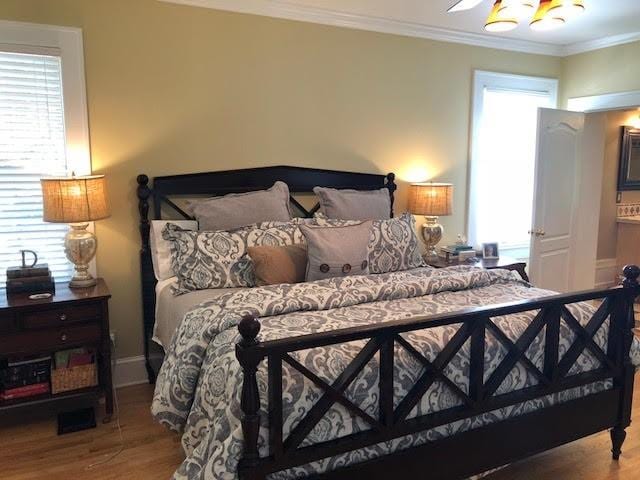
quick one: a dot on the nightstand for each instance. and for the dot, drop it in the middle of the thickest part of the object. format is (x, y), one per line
(71, 318)
(505, 263)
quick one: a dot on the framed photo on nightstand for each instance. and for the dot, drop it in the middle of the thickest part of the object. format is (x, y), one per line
(490, 250)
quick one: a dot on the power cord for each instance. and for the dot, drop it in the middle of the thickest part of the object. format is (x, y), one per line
(117, 412)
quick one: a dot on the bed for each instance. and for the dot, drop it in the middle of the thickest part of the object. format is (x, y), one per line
(418, 371)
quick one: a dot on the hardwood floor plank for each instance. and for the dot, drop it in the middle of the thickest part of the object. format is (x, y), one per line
(33, 451)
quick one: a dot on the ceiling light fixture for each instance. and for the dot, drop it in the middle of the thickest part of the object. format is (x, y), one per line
(498, 21)
(518, 8)
(566, 8)
(544, 19)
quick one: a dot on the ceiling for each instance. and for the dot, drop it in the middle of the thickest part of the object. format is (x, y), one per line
(605, 22)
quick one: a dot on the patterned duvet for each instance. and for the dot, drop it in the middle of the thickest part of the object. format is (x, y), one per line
(198, 387)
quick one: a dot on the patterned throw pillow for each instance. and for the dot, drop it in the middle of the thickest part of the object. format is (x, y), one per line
(393, 245)
(218, 259)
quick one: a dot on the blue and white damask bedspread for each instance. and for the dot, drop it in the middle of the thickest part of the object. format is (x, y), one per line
(198, 387)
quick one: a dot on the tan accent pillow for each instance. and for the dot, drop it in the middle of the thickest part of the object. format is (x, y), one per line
(337, 251)
(274, 265)
(354, 204)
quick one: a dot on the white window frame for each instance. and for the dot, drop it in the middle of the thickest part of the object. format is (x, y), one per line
(66, 42)
(484, 79)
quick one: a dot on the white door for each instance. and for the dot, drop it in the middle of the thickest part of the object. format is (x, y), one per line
(566, 209)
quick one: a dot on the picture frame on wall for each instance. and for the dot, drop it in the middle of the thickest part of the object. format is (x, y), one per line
(490, 250)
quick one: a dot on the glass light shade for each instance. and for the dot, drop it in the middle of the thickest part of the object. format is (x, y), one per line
(431, 199)
(544, 19)
(518, 8)
(499, 22)
(566, 8)
(74, 199)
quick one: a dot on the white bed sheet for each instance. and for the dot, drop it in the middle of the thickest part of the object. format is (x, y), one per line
(170, 309)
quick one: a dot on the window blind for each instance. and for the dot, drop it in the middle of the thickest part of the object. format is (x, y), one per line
(32, 145)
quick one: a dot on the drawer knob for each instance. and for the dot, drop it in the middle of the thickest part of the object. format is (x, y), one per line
(63, 317)
(63, 337)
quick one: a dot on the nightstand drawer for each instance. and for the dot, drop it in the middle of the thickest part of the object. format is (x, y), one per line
(60, 316)
(7, 322)
(50, 339)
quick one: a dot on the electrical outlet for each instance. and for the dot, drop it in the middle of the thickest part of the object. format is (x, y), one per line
(112, 335)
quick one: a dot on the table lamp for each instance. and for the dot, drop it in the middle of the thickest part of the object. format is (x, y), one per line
(431, 200)
(77, 201)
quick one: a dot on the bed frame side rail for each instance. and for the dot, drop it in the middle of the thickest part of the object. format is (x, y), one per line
(610, 409)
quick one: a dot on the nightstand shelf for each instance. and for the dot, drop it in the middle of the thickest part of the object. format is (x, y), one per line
(505, 263)
(71, 318)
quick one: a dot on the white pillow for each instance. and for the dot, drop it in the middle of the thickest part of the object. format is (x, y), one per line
(161, 248)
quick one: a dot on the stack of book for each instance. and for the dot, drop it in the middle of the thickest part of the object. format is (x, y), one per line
(451, 252)
(36, 279)
(25, 378)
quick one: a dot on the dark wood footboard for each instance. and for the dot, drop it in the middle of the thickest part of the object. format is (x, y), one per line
(473, 451)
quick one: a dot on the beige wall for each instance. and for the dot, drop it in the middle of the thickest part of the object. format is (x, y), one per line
(608, 229)
(609, 70)
(175, 89)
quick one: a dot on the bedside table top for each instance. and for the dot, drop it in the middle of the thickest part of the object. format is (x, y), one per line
(483, 262)
(63, 294)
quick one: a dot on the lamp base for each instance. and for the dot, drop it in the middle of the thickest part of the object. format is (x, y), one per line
(80, 246)
(431, 234)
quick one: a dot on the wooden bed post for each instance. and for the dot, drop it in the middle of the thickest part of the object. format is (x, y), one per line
(249, 327)
(391, 185)
(146, 270)
(623, 324)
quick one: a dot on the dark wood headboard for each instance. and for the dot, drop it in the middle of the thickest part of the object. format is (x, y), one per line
(163, 189)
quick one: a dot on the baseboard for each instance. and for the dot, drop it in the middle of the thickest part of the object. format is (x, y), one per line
(606, 272)
(130, 371)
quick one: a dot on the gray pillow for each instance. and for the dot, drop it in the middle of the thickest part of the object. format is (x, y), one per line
(393, 245)
(336, 251)
(354, 204)
(239, 209)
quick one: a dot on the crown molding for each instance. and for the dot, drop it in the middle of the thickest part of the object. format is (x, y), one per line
(590, 45)
(289, 11)
(278, 9)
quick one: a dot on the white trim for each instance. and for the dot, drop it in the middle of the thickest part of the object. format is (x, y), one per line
(323, 16)
(606, 271)
(481, 81)
(130, 371)
(65, 42)
(605, 42)
(609, 101)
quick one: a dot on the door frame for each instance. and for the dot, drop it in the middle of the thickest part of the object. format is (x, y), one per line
(605, 102)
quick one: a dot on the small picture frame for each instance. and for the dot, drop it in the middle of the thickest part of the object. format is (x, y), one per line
(490, 250)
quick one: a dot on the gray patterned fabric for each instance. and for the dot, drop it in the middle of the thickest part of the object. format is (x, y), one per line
(393, 246)
(240, 209)
(336, 251)
(354, 204)
(199, 384)
(219, 259)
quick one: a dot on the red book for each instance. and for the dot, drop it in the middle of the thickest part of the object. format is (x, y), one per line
(26, 391)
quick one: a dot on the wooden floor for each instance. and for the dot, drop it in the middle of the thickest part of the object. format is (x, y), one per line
(34, 451)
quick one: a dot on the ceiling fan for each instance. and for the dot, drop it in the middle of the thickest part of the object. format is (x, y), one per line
(506, 14)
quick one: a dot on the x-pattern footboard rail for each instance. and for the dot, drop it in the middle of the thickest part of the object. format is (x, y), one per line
(483, 392)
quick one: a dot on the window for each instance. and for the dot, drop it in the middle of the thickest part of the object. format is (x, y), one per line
(505, 116)
(42, 133)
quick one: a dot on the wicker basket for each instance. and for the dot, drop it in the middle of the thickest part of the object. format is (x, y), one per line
(74, 378)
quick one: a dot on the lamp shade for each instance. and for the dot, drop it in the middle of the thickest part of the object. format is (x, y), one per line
(431, 199)
(499, 22)
(545, 19)
(74, 199)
